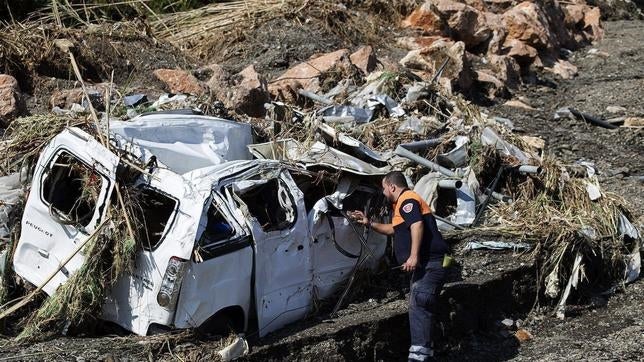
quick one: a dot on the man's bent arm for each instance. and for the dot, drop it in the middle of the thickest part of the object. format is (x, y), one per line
(385, 229)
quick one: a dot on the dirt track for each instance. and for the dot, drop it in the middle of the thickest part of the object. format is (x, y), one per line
(605, 327)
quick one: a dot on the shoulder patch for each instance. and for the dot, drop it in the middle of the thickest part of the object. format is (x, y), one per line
(408, 207)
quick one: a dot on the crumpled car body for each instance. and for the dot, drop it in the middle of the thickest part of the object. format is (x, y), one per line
(231, 241)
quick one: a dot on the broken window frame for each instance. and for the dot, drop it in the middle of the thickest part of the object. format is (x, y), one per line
(239, 240)
(171, 218)
(279, 178)
(101, 200)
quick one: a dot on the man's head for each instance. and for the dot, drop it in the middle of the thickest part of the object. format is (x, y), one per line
(393, 184)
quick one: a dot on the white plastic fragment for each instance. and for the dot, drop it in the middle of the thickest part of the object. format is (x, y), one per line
(495, 245)
(633, 265)
(593, 190)
(577, 271)
(238, 348)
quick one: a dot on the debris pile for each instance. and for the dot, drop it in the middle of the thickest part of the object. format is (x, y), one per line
(496, 44)
(336, 114)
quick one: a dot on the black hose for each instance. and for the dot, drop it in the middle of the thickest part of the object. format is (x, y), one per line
(592, 119)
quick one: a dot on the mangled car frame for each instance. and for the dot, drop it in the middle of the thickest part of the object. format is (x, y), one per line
(227, 239)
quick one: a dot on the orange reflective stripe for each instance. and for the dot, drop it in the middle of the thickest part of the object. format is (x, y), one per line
(409, 195)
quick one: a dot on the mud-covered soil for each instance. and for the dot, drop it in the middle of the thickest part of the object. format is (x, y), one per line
(613, 79)
(486, 287)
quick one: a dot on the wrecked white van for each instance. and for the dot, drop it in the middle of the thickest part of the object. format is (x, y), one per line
(226, 242)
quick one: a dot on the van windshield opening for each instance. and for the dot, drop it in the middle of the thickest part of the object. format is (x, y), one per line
(151, 211)
(71, 189)
(271, 204)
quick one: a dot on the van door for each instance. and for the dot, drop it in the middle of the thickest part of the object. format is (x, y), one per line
(220, 273)
(275, 213)
(72, 185)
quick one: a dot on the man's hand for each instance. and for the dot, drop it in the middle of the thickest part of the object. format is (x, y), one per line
(410, 264)
(359, 217)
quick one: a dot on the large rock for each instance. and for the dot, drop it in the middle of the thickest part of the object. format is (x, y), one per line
(180, 81)
(564, 69)
(9, 99)
(464, 22)
(493, 86)
(365, 59)
(305, 75)
(424, 18)
(250, 93)
(430, 59)
(527, 23)
(506, 69)
(245, 92)
(452, 18)
(66, 98)
(522, 52)
(219, 79)
(412, 43)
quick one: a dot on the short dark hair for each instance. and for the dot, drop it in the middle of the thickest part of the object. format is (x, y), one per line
(396, 178)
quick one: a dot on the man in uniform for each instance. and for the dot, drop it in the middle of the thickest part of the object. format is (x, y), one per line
(419, 248)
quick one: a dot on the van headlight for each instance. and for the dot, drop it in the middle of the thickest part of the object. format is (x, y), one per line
(169, 291)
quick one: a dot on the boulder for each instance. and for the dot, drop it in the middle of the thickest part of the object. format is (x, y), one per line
(9, 99)
(522, 52)
(527, 23)
(464, 22)
(564, 69)
(365, 59)
(179, 81)
(411, 43)
(506, 69)
(430, 59)
(245, 92)
(249, 93)
(66, 98)
(592, 24)
(447, 17)
(305, 75)
(424, 18)
(494, 86)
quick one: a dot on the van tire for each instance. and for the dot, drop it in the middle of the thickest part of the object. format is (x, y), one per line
(223, 323)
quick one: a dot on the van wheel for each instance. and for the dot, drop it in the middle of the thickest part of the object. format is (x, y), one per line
(218, 326)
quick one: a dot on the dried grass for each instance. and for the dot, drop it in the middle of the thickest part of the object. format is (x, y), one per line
(24, 139)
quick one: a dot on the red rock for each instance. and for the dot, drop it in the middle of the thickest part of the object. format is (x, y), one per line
(521, 51)
(466, 23)
(527, 23)
(411, 43)
(592, 24)
(507, 69)
(574, 14)
(564, 69)
(64, 98)
(305, 75)
(180, 81)
(365, 59)
(9, 99)
(432, 57)
(522, 335)
(424, 18)
(218, 80)
(250, 93)
(494, 85)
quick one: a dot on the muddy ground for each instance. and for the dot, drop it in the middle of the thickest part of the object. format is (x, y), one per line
(487, 287)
